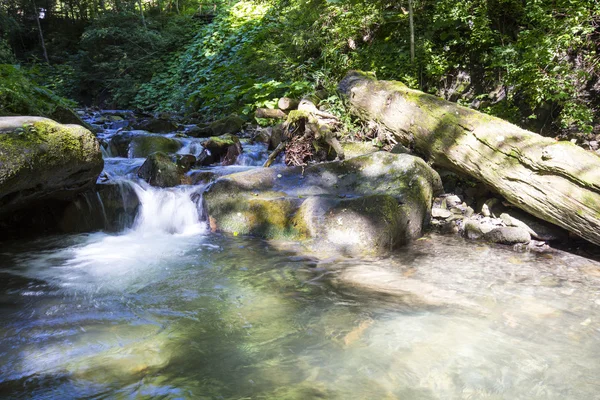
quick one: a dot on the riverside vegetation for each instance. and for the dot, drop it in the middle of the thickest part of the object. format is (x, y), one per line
(297, 199)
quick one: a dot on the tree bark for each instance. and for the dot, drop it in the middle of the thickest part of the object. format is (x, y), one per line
(270, 113)
(287, 104)
(411, 22)
(36, 12)
(142, 13)
(555, 181)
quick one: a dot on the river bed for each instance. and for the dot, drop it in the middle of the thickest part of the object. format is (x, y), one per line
(166, 309)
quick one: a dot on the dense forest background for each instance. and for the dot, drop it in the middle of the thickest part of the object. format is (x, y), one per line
(533, 62)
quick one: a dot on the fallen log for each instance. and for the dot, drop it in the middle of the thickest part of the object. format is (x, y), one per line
(287, 104)
(270, 113)
(555, 181)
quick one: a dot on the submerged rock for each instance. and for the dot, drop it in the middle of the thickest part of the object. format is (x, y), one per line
(41, 159)
(508, 235)
(366, 204)
(160, 170)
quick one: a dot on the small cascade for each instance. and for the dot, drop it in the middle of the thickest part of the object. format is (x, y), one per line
(254, 155)
(173, 211)
(106, 153)
(103, 210)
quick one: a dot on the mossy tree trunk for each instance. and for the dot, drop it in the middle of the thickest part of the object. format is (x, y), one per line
(556, 181)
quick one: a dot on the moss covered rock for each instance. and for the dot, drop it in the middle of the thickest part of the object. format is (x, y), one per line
(370, 203)
(160, 170)
(225, 148)
(42, 159)
(229, 124)
(144, 145)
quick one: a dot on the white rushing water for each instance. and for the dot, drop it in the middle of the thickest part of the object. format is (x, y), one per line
(167, 224)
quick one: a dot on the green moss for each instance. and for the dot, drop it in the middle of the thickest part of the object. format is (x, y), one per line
(45, 143)
(296, 116)
(143, 146)
(592, 202)
(222, 141)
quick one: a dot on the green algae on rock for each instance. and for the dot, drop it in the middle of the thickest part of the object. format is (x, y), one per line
(384, 199)
(555, 181)
(42, 159)
(160, 170)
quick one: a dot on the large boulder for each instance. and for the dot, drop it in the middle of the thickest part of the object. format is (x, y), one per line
(41, 159)
(144, 145)
(370, 203)
(160, 170)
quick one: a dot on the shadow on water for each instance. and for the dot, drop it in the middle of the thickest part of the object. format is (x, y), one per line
(232, 318)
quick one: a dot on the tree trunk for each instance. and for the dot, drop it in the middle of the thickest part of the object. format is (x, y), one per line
(411, 22)
(36, 12)
(142, 13)
(287, 104)
(555, 181)
(270, 113)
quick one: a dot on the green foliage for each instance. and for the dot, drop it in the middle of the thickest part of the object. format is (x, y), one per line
(258, 51)
(118, 54)
(6, 54)
(20, 95)
(528, 61)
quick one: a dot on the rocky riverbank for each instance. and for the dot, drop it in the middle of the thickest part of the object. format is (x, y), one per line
(372, 202)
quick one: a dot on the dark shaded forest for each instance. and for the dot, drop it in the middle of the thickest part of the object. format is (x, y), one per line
(534, 63)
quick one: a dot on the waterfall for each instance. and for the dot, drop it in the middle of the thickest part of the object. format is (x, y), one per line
(175, 211)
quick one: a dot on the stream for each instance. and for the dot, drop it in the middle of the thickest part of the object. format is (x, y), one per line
(166, 309)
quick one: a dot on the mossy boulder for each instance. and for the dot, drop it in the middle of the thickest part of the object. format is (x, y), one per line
(200, 131)
(382, 200)
(229, 124)
(144, 145)
(355, 149)
(368, 224)
(224, 149)
(160, 170)
(41, 159)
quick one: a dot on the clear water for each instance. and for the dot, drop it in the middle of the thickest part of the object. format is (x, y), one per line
(169, 310)
(197, 315)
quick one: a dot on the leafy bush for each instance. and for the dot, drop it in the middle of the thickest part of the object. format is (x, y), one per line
(541, 55)
(20, 95)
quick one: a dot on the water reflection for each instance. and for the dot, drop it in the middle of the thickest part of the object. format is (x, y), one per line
(228, 318)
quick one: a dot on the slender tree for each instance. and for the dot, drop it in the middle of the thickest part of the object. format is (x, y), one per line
(36, 12)
(412, 30)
